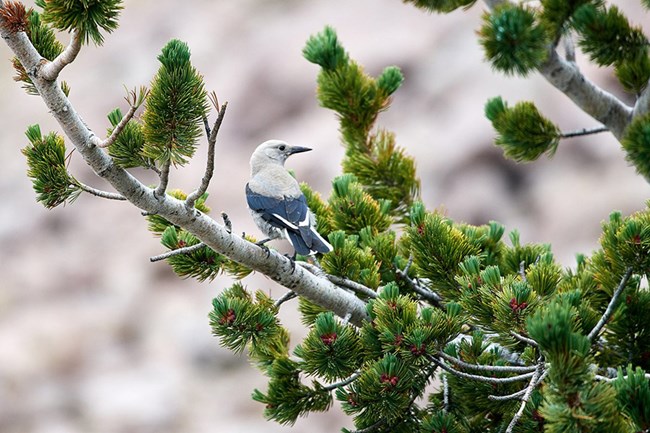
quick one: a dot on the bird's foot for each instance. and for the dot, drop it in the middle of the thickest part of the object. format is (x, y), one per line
(262, 245)
(292, 260)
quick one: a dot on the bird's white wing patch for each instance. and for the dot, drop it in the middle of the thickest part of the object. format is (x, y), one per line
(286, 222)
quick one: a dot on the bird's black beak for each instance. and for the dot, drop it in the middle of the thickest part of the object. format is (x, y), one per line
(298, 149)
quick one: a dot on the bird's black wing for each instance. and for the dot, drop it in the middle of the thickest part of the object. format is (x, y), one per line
(290, 214)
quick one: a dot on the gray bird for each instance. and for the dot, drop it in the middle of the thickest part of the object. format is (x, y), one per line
(276, 203)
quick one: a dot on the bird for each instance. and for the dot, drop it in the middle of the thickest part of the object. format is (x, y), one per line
(277, 204)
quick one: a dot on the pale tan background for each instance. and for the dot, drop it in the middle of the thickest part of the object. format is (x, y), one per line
(94, 338)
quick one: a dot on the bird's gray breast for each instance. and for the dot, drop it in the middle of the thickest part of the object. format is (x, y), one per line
(274, 181)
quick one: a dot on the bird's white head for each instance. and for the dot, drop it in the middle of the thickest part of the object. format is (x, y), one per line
(273, 152)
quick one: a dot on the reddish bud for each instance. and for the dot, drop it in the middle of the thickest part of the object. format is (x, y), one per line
(228, 318)
(389, 380)
(418, 351)
(329, 338)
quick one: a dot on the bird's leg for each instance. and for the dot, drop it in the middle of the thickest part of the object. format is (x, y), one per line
(292, 260)
(262, 245)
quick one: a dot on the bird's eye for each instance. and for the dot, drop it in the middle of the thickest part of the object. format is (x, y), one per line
(282, 147)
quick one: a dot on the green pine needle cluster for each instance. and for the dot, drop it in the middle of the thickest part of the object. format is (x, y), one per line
(384, 170)
(636, 143)
(514, 42)
(89, 17)
(45, 42)
(438, 248)
(127, 150)
(523, 133)
(556, 14)
(46, 161)
(442, 6)
(633, 389)
(287, 397)
(242, 322)
(607, 36)
(331, 350)
(354, 209)
(573, 402)
(174, 108)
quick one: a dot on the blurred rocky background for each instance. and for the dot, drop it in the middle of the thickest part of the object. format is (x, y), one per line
(94, 338)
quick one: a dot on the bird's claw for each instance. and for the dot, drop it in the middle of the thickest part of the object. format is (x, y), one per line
(292, 260)
(262, 245)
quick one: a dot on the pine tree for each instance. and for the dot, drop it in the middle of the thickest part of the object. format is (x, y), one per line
(407, 296)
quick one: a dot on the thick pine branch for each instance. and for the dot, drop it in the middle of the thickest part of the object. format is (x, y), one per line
(317, 289)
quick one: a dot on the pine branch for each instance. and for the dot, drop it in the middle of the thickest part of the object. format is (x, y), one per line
(486, 368)
(565, 76)
(612, 379)
(432, 297)
(176, 252)
(524, 400)
(523, 339)
(349, 380)
(569, 48)
(612, 305)
(642, 105)
(340, 281)
(493, 380)
(164, 180)
(51, 70)
(284, 298)
(209, 170)
(317, 289)
(100, 193)
(445, 393)
(599, 104)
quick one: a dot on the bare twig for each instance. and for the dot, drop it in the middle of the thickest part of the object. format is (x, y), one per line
(176, 252)
(100, 193)
(584, 131)
(50, 71)
(487, 368)
(284, 298)
(523, 339)
(612, 304)
(134, 100)
(209, 170)
(164, 180)
(526, 397)
(494, 380)
(342, 383)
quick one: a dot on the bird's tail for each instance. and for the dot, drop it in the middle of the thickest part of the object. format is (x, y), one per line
(307, 241)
